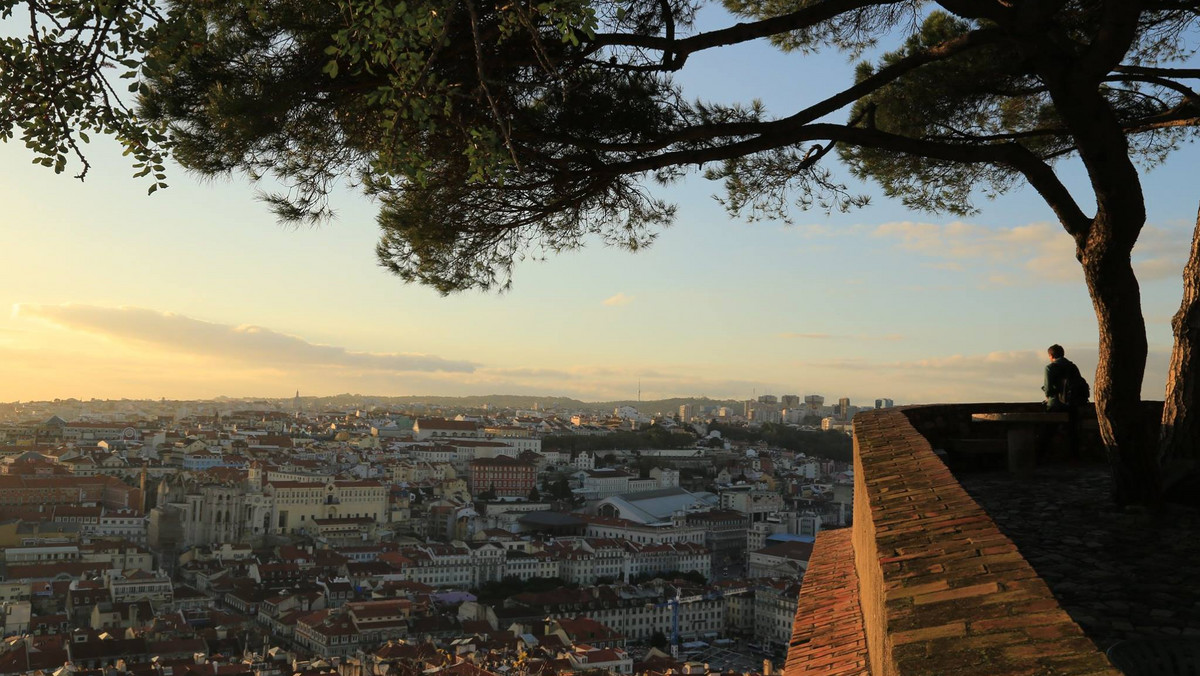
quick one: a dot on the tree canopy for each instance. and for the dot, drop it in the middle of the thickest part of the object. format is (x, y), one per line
(72, 74)
(494, 131)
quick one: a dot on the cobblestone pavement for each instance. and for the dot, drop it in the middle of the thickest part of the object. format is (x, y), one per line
(1120, 573)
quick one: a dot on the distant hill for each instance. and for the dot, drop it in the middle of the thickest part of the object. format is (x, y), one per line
(515, 401)
(348, 401)
(671, 405)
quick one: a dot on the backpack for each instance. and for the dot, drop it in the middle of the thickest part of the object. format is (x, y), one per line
(1075, 390)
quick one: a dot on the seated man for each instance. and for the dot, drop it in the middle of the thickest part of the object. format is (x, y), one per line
(1061, 385)
(1058, 372)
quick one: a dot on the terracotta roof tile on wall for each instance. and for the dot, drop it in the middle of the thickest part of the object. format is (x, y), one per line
(828, 636)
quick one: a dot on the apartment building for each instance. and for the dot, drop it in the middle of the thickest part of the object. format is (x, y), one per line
(507, 477)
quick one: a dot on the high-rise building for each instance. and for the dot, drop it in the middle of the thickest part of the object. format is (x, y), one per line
(884, 403)
(843, 408)
(766, 414)
(790, 401)
(768, 399)
(687, 412)
(814, 402)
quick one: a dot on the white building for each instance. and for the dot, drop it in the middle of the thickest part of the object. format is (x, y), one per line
(775, 612)
(439, 428)
(666, 477)
(624, 529)
(603, 483)
(655, 559)
(138, 585)
(757, 502)
(787, 559)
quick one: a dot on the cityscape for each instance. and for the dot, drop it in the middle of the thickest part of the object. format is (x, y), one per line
(288, 536)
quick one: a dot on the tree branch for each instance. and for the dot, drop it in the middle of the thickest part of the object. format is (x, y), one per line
(992, 10)
(742, 32)
(1187, 73)
(668, 55)
(1187, 92)
(814, 112)
(1039, 174)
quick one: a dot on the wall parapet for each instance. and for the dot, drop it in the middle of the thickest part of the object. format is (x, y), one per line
(827, 637)
(940, 587)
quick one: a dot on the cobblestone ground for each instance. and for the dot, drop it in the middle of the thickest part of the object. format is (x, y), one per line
(1120, 573)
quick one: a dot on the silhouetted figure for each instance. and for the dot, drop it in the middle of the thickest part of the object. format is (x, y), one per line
(1066, 391)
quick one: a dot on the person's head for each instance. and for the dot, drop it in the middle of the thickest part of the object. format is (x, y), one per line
(1055, 352)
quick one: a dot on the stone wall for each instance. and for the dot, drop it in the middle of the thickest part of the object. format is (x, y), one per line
(940, 589)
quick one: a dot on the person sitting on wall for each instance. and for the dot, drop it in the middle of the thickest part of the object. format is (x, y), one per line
(1066, 391)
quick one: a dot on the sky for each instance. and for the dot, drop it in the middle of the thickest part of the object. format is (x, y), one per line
(196, 292)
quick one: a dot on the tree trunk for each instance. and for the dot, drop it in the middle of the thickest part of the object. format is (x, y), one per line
(1179, 443)
(1122, 363)
(1104, 247)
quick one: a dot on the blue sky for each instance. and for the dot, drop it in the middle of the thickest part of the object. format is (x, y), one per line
(197, 292)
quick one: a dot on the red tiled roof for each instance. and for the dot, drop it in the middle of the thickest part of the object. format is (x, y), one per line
(501, 461)
(466, 669)
(23, 660)
(604, 655)
(797, 551)
(48, 571)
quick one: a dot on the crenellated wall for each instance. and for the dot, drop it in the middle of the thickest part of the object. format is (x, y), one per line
(939, 589)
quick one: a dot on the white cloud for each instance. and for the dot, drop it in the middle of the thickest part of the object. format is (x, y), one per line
(1032, 253)
(619, 299)
(255, 345)
(827, 336)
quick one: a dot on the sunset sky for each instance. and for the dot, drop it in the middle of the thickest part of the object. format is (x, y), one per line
(196, 292)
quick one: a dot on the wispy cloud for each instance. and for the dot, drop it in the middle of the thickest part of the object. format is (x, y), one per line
(947, 265)
(1036, 252)
(256, 345)
(618, 299)
(828, 336)
(808, 336)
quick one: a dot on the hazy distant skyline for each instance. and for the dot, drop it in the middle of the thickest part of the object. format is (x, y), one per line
(195, 292)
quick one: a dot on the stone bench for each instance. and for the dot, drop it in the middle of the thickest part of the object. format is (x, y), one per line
(1022, 430)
